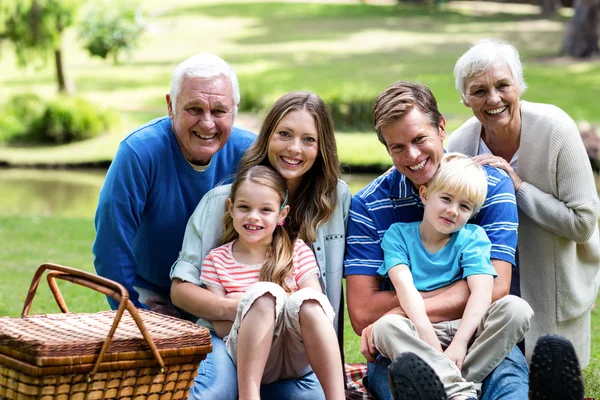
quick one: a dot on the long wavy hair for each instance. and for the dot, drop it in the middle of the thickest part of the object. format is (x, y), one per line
(279, 260)
(315, 201)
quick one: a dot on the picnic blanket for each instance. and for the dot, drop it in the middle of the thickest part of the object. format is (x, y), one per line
(355, 389)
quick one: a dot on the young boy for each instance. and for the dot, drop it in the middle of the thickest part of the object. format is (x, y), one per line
(429, 255)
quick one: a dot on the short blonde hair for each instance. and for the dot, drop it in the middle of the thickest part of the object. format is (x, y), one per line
(459, 174)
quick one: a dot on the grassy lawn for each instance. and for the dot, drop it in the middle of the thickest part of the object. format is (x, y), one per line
(345, 51)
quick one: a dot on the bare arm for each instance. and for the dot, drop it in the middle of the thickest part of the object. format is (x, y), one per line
(413, 304)
(502, 282)
(222, 328)
(201, 302)
(311, 282)
(479, 300)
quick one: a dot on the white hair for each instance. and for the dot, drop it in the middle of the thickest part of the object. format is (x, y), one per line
(203, 65)
(483, 55)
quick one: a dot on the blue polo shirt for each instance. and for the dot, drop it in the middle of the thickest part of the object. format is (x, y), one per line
(392, 198)
(466, 253)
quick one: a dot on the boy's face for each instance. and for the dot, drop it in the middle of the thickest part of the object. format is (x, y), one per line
(445, 212)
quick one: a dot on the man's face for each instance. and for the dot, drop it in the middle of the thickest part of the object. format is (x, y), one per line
(203, 119)
(416, 147)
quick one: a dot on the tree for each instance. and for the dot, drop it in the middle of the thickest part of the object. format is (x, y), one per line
(581, 34)
(35, 28)
(549, 7)
(110, 27)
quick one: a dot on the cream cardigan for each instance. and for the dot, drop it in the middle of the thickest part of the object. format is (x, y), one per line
(559, 246)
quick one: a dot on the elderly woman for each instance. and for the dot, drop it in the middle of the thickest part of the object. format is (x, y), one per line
(298, 141)
(539, 147)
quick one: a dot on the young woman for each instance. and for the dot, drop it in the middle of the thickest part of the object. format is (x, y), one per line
(297, 141)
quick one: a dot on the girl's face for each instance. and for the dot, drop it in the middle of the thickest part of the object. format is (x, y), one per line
(294, 147)
(444, 212)
(256, 212)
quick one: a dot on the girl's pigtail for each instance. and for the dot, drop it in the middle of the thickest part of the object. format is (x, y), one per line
(280, 259)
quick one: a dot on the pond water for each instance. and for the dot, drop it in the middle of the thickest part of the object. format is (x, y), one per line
(72, 193)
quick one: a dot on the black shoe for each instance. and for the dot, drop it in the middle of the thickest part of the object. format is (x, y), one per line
(554, 371)
(411, 378)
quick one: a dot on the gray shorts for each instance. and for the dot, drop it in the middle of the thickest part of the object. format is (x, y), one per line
(287, 359)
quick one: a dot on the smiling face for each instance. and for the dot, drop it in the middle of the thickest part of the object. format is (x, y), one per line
(204, 117)
(294, 147)
(256, 212)
(494, 98)
(445, 213)
(416, 147)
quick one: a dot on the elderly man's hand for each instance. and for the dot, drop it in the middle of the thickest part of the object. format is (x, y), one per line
(367, 349)
(161, 305)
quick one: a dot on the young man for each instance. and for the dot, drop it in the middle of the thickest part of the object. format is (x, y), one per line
(409, 124)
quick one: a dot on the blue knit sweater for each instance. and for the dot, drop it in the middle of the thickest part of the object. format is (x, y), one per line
(149, 193)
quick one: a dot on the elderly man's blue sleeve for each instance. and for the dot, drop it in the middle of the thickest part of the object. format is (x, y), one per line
(117, 220)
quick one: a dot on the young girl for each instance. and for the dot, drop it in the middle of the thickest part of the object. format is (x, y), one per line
(283, 325)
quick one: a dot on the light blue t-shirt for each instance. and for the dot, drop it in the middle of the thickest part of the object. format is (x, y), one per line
(466, 253)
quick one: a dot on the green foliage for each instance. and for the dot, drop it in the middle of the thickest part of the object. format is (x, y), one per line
(35, 26)
(70, 119)
(110, 27)
(18, 115)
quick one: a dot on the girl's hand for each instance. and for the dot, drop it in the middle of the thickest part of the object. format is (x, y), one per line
(457, 353)
(499, 162)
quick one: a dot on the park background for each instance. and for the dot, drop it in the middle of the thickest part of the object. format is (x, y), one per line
(345, 51)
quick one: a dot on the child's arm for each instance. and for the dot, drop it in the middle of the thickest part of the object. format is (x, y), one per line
(413, 305)
(481, 287)
(221, 328)
(311, 281)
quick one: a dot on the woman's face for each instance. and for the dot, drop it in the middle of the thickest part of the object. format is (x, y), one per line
(494, 98)
(294, 147)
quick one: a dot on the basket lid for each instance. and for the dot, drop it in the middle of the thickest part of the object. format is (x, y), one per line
(64, 339)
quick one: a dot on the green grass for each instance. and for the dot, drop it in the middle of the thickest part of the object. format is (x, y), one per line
(349, 51)
(28, 241)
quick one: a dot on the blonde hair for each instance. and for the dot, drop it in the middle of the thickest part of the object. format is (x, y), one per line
(279, 262)
(459, 174)
(316, 200)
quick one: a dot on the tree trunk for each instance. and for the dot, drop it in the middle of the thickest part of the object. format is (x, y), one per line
(63, 84)
(581, 34)
(549, 7)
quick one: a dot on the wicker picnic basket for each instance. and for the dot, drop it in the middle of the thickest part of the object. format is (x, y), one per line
(105, 355)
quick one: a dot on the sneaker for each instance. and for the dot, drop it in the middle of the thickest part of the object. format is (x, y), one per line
(554, 371)
(411, 378)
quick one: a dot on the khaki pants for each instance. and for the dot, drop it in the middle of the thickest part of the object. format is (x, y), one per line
(287, 359)
(503, 325)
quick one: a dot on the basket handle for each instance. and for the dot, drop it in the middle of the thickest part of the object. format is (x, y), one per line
(100, 284)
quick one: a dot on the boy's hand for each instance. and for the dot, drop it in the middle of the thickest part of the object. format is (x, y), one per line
(457, 353)
(367, 349)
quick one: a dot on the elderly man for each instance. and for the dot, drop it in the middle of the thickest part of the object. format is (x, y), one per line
(160, 173)
(409, 124)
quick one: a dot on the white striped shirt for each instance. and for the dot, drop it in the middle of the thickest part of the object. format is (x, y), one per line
(220, 269)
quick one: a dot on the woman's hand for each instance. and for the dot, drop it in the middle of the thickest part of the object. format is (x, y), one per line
(499, 162)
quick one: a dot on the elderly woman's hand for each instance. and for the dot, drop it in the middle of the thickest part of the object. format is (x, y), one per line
(499, 162)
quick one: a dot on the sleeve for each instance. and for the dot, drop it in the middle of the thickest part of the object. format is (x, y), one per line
(305, 264)
(202, 234)
(120, 207)
(475, 255)
(394, 250)
(573, 212)
(363, 249)
(499, 216)
(210, 275)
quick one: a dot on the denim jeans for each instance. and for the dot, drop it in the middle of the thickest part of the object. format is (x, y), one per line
(509, 381)
(217, 380)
